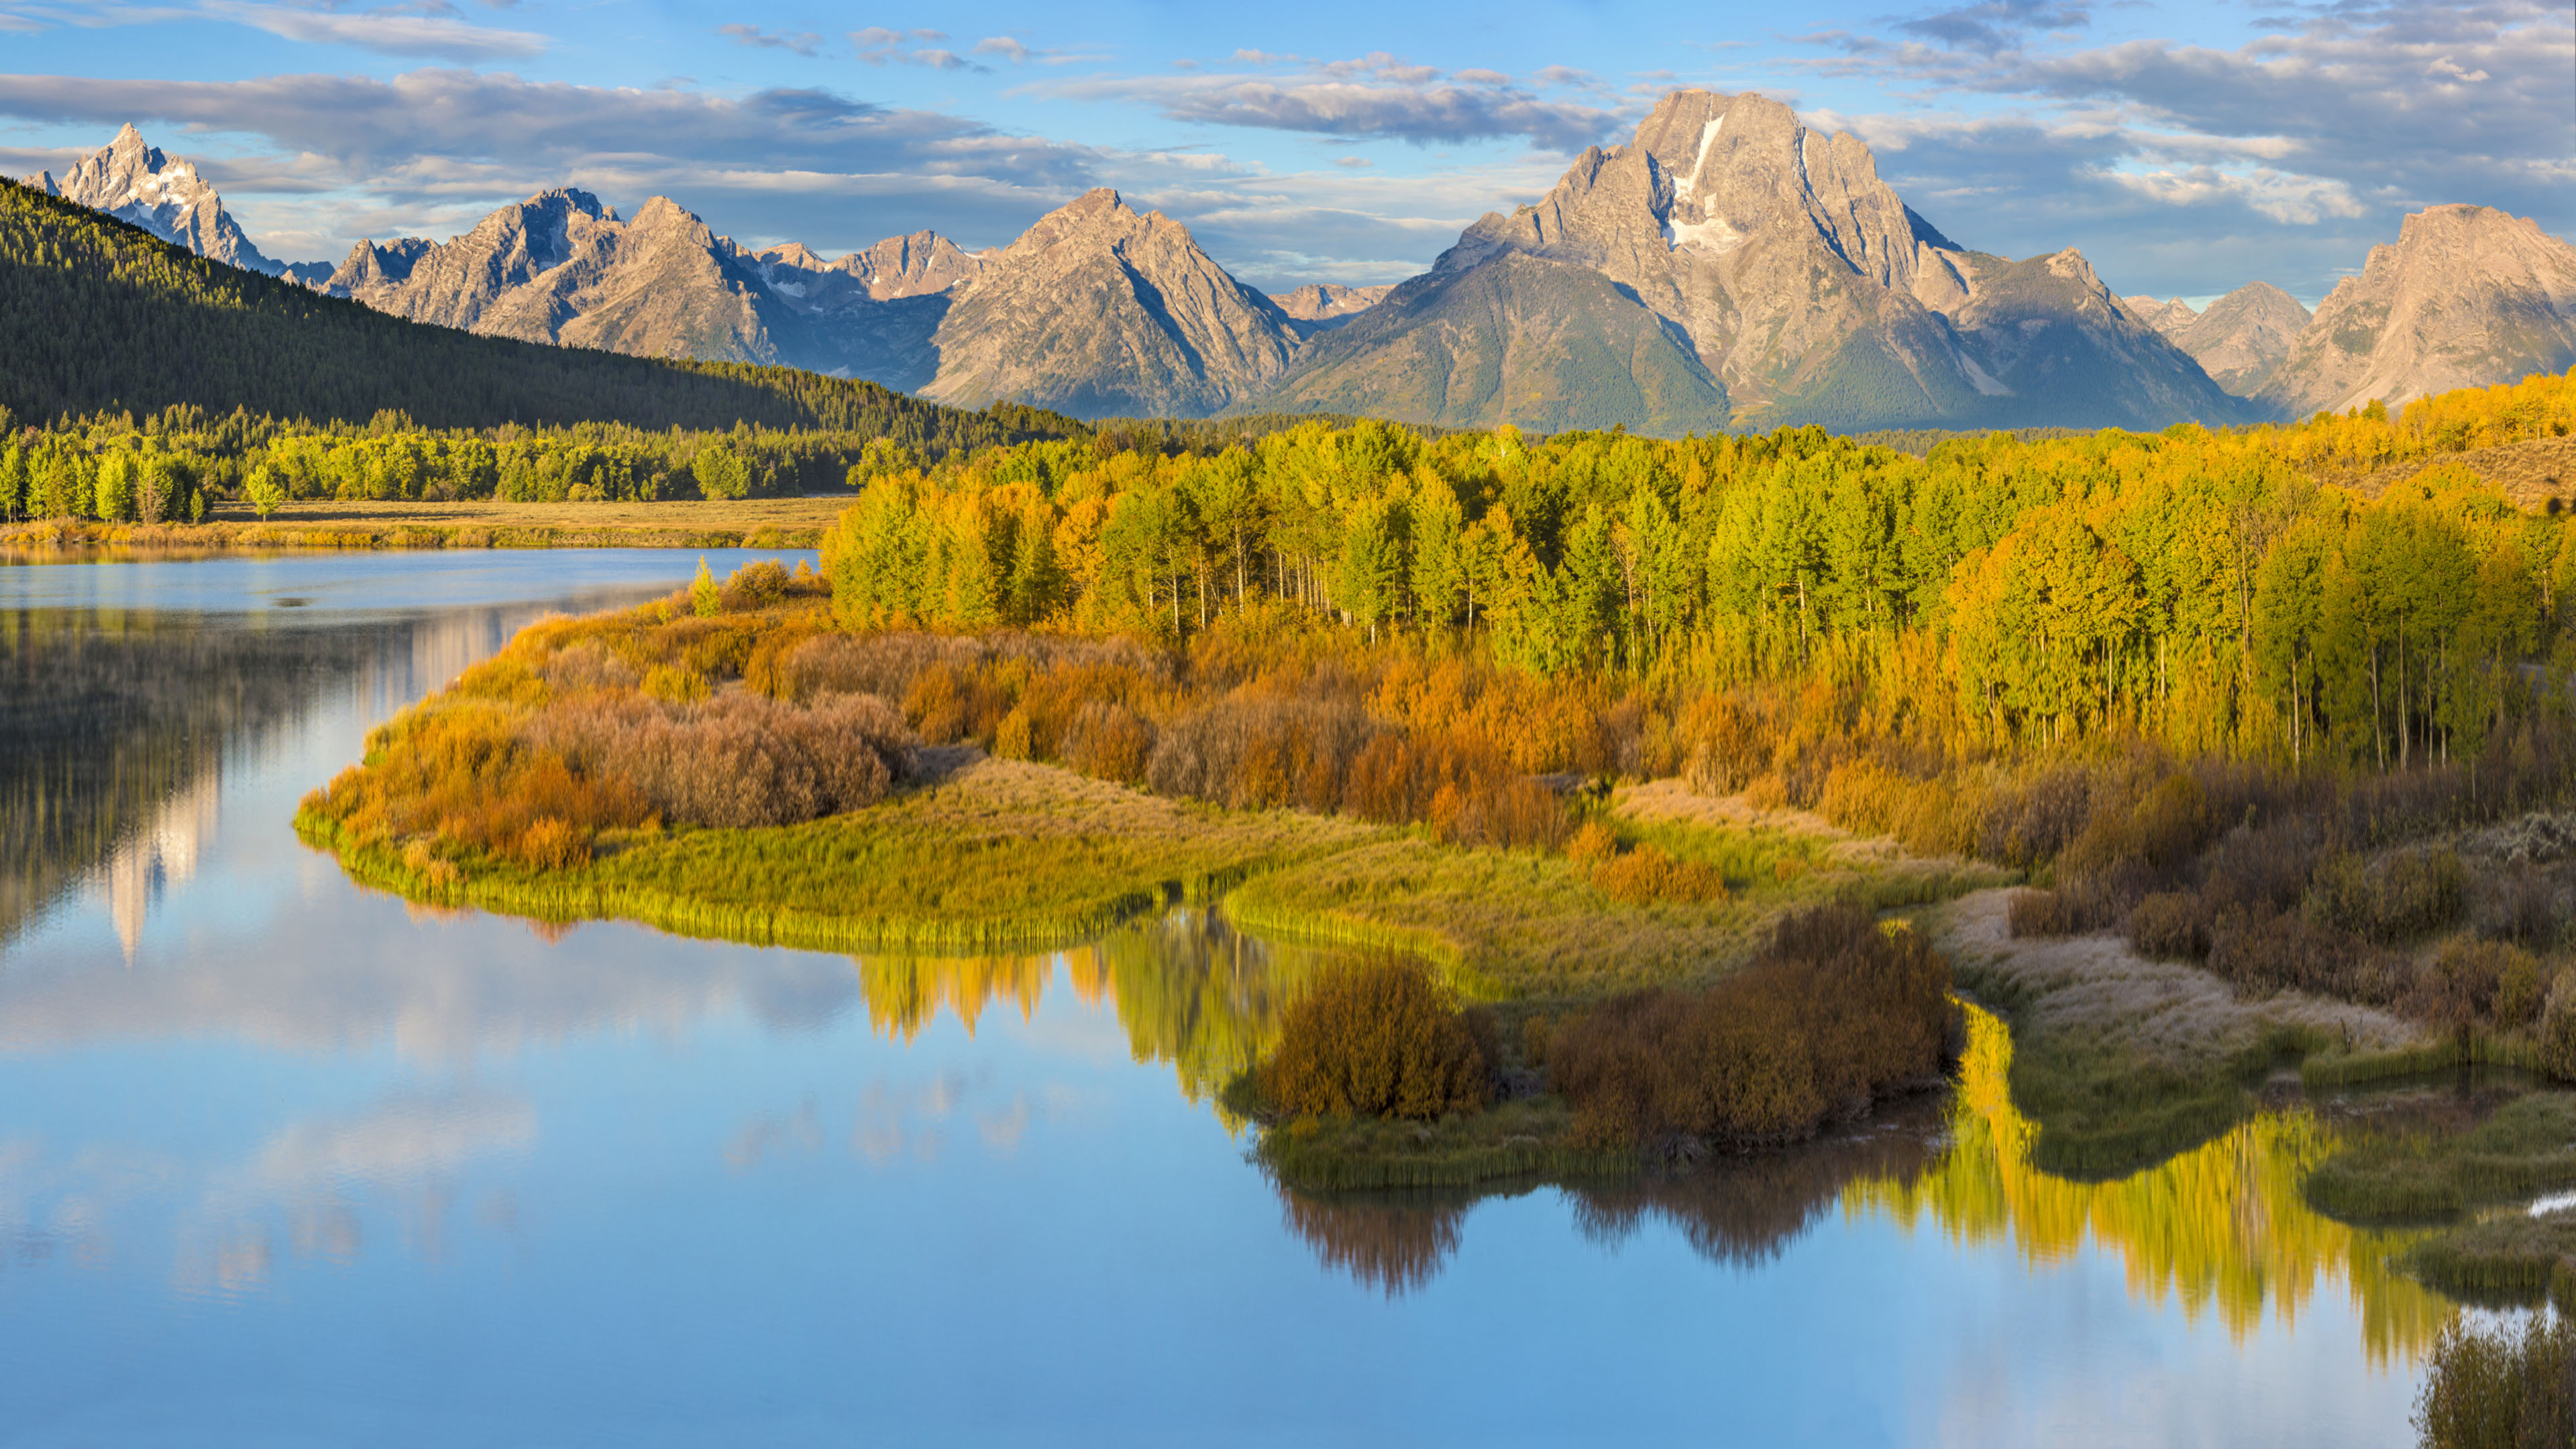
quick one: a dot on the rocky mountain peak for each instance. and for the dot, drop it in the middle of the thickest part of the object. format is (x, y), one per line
(793, 255)
(1095, 202)
(2167, 317)
(659, 212)
(1100, 310)
(1740, 267)
(135, 181)
(2242, 338)
(2468, 296)
(1100, 216)
(916, 265)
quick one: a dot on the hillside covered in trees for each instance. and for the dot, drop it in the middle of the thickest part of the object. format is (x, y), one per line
(97, 316)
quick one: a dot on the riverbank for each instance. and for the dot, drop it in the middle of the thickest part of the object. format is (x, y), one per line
(329, 525)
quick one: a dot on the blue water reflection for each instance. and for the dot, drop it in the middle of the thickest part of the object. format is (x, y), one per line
(286, 1162)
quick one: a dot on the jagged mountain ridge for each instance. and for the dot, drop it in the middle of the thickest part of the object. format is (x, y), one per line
(882, 304)
(138, 183)
(1729, 267)
(1788, 283)
(1323, 306)
(2469, 296)
(561, 267)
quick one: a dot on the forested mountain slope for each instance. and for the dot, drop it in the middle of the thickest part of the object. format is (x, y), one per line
(98, 316)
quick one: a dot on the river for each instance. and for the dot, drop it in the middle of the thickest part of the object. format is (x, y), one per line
(284, 1161)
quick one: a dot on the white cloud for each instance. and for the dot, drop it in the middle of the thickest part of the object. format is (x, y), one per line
(2191, 168)
(800, 42)
(879, 46)
(2285, 197)
(1372, 95)
(386, 33)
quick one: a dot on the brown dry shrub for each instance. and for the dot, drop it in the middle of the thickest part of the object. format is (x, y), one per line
(2460, 988)
(1646, 875)
(2402, 894)
(766, 671)
(1724, 745)
(1933, 814)
(886, 665)
(937, 707)
(1537, 1032)
(2038, 913)
(587, 666)
(737, 760)
(2558, 1028)
(1380, 1039)
(2160, 833)
(2524, 903)
(1260, 752)
(1835, 1011)
(2262, 870)
(2521, 989)
(2029, 821)
(2171, 925)
(2289, 950)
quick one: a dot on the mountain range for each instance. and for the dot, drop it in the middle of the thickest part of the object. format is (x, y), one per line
(1728, 268)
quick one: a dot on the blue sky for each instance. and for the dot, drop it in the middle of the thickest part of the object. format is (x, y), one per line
(2184, 147)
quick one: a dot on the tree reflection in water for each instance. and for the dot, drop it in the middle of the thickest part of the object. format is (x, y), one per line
(1395, 1242)
(2222, 1226)
(1740, 1212)
(1188, 989)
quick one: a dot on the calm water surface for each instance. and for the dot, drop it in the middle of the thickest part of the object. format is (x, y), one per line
(284, 1162)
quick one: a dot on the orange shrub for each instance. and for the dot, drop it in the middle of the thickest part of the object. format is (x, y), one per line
(1592, 845)
(550, 843)
(1646, 875)
(1109, 742)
